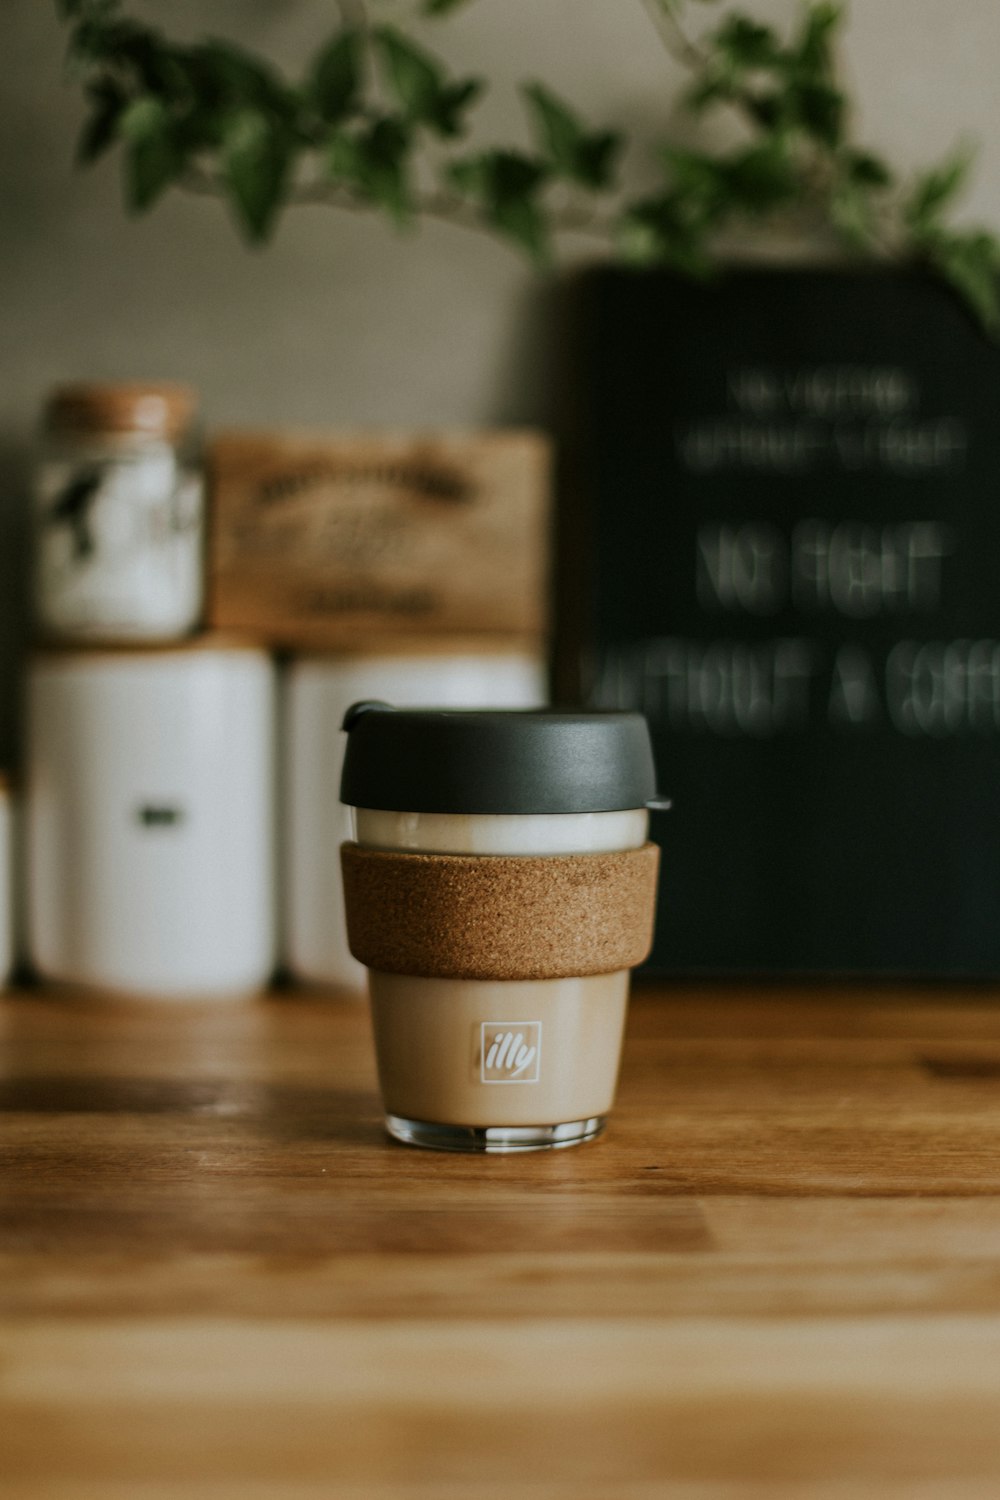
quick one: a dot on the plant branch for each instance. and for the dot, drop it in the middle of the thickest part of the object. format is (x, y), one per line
(376, 111)
(675, 39)
(449, 208)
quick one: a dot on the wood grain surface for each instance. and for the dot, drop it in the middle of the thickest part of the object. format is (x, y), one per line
(778, 1275)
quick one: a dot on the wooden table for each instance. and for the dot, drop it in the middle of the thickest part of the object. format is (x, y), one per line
(777, 1276)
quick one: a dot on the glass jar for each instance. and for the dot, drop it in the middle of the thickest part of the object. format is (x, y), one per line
(119, 514)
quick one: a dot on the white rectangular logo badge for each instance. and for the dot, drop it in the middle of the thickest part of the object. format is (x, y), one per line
(510, 1051)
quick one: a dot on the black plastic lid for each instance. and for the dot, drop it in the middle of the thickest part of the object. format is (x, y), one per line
(492, 761)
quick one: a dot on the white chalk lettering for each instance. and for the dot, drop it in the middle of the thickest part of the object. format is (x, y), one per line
(854, 695)
(944, 687)
(860, 570)
(758, 688)
(824, 390)
(736, 443)
(742, 567)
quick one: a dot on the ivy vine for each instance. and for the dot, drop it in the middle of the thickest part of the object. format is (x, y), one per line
(377, 122)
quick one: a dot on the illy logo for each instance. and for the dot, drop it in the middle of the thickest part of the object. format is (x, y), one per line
(510, 1051)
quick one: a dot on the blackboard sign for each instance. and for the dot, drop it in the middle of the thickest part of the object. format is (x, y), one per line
(795, 573)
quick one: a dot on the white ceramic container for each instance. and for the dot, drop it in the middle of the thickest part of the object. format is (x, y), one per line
(319, 692)
(150, 818)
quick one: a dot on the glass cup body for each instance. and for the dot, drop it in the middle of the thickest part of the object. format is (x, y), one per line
(498, 1065)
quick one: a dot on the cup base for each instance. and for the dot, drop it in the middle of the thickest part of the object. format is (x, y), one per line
(494, 1139)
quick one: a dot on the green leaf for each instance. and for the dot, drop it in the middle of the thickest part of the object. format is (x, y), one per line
(761, 178)
(934, 190)
(470, 175)
(770, 111)
(819, 27)
(499, 174)
(705, 191)
(640, 235)
(598, 157)
(970, 261)
(713, 88)
(581, 156)
(386, 149)
(233, 77)
(694, 174)
(506, 184)
(373, 161)
(152, 159)
(657, 231)
(522, 220)
(135, 52)
(559, 131)
(738, 47)
(335, 79)
(441, 7)
(819, 108)
(453, 101)
(414, 76)
(255, 163)
(851, 215)
(201, 127)
(122, 43)
(746, 44)
(867, 170)
(418, 83)
(107, 105)
(345, 161)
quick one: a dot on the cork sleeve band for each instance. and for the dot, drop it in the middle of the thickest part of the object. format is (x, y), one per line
(457, 916)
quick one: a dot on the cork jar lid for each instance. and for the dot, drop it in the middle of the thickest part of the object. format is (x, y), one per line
(161, 410)
(496, 761)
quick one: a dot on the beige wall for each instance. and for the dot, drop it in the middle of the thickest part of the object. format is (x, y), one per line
(340, 321)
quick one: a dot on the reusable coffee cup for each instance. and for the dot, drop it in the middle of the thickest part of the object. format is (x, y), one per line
(499, 888)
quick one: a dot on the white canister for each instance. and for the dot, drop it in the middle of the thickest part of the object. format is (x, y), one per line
(319, 691)
(150, 818)
(6, 882)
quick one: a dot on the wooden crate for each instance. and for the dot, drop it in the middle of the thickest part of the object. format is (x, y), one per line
(348, 540)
